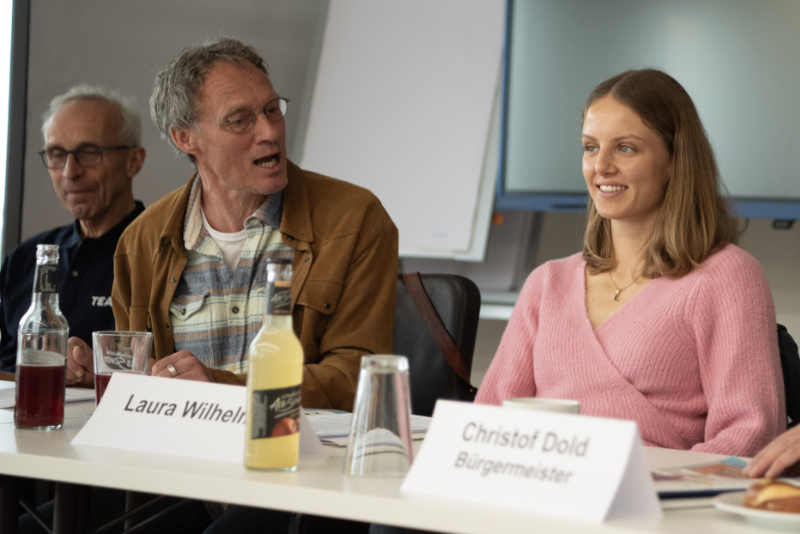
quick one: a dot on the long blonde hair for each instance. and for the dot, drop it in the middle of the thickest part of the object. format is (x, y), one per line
(694, 220)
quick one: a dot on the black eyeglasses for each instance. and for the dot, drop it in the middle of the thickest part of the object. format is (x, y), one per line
(242, 121)
(86, 156)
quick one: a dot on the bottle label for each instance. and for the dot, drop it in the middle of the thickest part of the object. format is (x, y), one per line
(279, 298)
(46, 279)
(276, 412)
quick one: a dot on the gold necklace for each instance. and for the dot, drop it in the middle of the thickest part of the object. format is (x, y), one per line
(619, 290)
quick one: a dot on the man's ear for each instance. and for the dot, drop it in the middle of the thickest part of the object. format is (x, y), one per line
(135, 161)
(185, 139)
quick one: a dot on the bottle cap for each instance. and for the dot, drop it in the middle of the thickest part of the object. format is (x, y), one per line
(49, 252)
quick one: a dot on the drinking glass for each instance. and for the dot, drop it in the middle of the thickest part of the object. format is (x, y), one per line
(380, 432)
(119, 352)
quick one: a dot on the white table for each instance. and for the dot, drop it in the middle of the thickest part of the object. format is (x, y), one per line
(317, 487)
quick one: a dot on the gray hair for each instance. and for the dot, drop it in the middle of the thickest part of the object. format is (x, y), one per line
(172, 104)
(130, 133)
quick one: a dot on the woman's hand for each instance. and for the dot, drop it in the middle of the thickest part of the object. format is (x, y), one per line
(782, 454)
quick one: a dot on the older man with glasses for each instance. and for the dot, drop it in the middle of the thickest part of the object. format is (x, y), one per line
(91, 149)
(192, 268)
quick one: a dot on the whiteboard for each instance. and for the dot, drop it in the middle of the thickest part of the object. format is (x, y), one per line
(402, 105)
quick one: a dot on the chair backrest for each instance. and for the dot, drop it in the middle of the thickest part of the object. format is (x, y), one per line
(458, 302)
(790, 363)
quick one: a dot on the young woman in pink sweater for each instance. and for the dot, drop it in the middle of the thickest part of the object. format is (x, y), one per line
(662, 319)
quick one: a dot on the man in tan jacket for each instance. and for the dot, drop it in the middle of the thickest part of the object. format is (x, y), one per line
(192, 267)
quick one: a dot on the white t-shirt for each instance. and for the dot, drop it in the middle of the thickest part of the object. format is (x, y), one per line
(231, 245)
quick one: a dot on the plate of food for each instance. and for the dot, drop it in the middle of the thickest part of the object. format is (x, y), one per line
(768, 503)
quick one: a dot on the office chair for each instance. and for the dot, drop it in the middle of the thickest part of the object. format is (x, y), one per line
(435, 326)
(790, 364)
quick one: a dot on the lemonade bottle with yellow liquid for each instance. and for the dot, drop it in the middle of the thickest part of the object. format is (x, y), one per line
(272, 441)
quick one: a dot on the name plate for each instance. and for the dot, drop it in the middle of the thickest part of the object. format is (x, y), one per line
(581, 468)
(177, 417)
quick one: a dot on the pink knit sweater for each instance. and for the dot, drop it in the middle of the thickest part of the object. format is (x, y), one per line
(693, 361)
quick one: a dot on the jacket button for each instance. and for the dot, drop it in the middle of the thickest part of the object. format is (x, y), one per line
(327, 306)
(174, 280)
(235, 309)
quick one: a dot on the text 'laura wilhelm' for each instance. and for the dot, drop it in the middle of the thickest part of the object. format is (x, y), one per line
(205, 411)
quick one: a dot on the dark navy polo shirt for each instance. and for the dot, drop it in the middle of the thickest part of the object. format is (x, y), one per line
(85, 277)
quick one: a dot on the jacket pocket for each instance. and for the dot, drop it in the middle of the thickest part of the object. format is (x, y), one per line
(318, 301)
(320, 295)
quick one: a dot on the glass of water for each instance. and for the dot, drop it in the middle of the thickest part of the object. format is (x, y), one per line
(380, 432)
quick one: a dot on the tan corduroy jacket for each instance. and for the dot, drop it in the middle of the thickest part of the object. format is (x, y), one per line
(343, 286)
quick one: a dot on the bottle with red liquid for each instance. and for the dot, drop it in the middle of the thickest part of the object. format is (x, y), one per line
(42, 350)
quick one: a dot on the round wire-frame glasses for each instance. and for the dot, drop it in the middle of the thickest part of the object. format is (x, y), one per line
(243, 120)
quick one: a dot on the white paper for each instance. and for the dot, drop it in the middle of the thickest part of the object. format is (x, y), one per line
(309, 441)
(704, 479)
(636, 492)
(196, 419)
(581, 468)
(8, 396)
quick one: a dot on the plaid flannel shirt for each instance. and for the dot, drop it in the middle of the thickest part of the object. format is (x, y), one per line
(216, 313)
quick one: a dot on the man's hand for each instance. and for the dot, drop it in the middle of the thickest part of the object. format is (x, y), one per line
(182, 365)
(777, 457)
(80, 363)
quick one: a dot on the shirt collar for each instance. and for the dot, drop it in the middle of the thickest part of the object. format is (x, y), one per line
(109, 239)
(75, 237)
(269, 214)
(270, 211)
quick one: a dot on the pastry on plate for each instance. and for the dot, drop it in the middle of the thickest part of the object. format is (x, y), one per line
(768, 494)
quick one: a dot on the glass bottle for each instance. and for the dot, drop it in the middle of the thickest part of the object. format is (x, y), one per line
(275, 372)
(42, 350)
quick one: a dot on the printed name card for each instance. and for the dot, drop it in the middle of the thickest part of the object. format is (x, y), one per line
(582, 468)
(197, 419)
